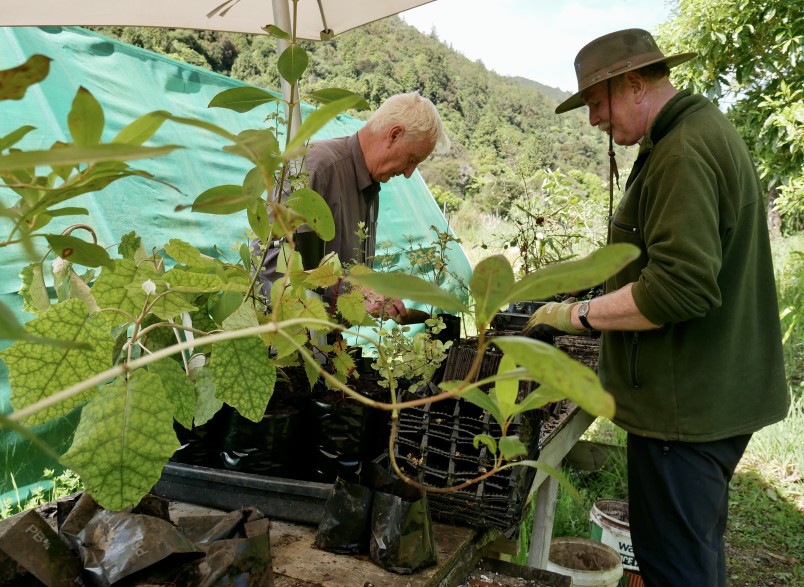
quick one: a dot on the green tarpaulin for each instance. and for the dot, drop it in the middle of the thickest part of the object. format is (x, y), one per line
(129, 82)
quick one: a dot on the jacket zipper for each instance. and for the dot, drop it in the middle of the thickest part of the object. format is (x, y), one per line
(634, 354)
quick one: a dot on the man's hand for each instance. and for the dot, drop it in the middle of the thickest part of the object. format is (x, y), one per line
(554, 314)
(381, 307)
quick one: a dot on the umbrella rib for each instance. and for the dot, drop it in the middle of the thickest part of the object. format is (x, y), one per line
(323, 18)
(222, 8)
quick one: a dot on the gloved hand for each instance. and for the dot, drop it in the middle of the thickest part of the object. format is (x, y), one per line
(554, 314)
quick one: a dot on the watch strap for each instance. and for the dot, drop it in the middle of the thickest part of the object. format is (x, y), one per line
(583, 310)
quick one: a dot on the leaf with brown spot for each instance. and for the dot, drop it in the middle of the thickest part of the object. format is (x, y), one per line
(15, 82)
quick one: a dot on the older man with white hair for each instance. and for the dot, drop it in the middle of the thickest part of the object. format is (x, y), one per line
(348, 171)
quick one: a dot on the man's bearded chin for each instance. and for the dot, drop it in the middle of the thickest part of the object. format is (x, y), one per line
(604, 127)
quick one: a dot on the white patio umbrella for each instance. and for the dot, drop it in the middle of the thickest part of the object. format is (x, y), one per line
(315, 19)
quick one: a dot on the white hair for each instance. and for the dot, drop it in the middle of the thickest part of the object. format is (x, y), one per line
(419, 116)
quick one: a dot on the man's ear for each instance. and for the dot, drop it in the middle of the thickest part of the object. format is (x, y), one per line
(394, 133)
(636, 84)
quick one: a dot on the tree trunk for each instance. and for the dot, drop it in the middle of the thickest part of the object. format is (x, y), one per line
(774, 220)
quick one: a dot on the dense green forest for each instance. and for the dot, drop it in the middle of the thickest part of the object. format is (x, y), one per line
(504, 132)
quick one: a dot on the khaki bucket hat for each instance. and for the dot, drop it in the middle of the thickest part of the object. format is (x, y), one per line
(614, 54)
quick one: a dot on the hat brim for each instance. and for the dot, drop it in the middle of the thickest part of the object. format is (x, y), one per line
(576, 100)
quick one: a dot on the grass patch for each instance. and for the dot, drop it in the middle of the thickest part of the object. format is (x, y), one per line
(50, 488)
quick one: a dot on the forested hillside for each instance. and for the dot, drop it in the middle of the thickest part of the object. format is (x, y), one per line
(503, 130)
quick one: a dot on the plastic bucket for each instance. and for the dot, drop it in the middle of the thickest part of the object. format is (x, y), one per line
(609, 525)
(589, 563)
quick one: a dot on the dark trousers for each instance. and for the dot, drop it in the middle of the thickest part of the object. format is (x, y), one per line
(678, 495)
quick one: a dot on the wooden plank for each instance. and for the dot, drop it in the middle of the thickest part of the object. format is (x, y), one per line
(558, 447)
(552, 454)
(296, 560)
(592, 456)
(543, 518)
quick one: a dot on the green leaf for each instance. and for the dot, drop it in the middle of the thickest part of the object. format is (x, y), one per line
(15, 82)
(315, 121)
(75, 154)
(112, 288)
(574, 275)
(538, 398)
(186, 254)
(327, 95)
(244, 376)
(223, 199)
(245, 316)
(242, 99)
(142, 129)
(85, 120)
(67, 211)
(10, 328)
(259, 147)
(179, 390)
(37, 371)
(506, 390)
(554, 368)
(130, 246)
(208, 404)
(170, 305)
(14, 136)
(292, 63)
(409, 287)
(259, 220)
(224, 305)
(489, 441)
(490, 284)
(352, 307)
(184, 281)
(315, 211)
(322, 276)
(276, 32)
(562, 479)
(123, 441)
(482, 400)
(33, 290)
(78, 251)
(511, 447)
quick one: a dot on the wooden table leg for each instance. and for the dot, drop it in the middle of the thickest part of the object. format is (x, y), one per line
(543, 518)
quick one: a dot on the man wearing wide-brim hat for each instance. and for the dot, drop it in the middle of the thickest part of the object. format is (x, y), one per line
(690, 334)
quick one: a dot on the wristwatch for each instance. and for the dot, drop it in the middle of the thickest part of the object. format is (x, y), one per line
(583, 312)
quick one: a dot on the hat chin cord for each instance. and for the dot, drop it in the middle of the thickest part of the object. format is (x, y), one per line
(614, 174)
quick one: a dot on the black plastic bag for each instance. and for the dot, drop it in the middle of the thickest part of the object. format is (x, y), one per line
(31, 553)
(344, 526)
(401, 529)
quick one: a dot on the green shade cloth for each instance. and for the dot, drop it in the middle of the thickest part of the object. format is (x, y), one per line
(128, 82)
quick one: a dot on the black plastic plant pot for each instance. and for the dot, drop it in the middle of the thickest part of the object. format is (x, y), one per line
(200, 445)
(269, 447)
(342, 432)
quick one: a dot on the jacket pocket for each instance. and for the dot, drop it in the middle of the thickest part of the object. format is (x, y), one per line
(629, 229)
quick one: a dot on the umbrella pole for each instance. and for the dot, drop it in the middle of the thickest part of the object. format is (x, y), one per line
(281, 10)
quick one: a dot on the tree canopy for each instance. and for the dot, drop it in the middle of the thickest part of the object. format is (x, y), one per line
(751, 63)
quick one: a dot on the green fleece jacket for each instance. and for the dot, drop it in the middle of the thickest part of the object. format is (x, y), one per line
(694, 206)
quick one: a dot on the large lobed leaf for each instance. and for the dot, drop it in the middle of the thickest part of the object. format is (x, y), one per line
(123, 441)
(122, 287)
(243, 374)
(37, 371)
(179, 390)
